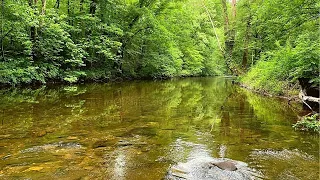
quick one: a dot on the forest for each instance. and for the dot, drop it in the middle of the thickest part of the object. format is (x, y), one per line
(159, 89)
(270, 44)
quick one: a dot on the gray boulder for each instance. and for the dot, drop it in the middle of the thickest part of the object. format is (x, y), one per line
(202, 169)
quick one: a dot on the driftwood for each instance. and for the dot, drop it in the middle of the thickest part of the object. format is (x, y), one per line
(304, 98)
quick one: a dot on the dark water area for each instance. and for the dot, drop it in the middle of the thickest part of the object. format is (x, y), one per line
(137, 130)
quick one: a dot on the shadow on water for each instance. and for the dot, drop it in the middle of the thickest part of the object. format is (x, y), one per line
(128, 130)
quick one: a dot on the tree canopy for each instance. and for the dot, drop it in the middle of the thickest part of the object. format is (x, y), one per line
(266, 42)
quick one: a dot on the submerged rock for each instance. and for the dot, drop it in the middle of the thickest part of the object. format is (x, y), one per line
(212, 169)
(52, 146)
(225, 165)
(194, 162)
(103, 143)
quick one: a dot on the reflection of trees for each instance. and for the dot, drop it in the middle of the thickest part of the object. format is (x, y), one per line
(271, 110)
(170, 103)
(250, 121)
(225, 123)
(209, 108)
(100, 108)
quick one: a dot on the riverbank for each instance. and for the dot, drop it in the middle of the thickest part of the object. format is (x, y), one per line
(83, 80)
(309, 121)
(294, 95)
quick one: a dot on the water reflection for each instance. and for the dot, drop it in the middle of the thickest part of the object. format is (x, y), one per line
(290, 164)
(126, 130)
(222, 151)
(120, 166)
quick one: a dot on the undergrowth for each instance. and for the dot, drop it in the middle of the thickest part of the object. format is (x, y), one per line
(308, 123)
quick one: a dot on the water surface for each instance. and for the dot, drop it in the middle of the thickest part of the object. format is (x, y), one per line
(136, 130)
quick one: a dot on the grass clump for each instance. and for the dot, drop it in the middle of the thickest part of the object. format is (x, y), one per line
(308, 123)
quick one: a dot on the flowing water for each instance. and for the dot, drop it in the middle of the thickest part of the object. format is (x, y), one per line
(137, 130)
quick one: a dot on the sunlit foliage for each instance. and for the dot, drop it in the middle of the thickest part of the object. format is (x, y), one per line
(73, 40)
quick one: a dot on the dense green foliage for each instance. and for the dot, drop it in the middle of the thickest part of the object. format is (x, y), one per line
(270, 43)
(72, 40)
(282, 43)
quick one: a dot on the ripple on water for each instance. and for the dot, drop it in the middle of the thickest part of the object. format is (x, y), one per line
(283, 154)
(285, 164)
(52, 146)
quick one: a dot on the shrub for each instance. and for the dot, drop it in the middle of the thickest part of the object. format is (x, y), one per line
(308, 123)
(278, 69)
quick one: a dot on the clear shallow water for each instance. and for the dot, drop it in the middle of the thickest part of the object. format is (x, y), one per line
(134, 130)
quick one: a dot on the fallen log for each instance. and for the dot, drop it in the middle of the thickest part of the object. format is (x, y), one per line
(304, 98)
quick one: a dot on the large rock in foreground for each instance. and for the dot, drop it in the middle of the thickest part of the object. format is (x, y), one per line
(202, 169)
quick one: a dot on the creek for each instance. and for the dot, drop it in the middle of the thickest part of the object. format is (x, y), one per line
(138, 130)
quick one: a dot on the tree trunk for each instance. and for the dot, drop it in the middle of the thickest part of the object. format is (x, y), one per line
(68, 3)
(234, 9)
(229, 37)
(2, 24)
(246, 48)
(213, 27)
(57, 5)
(81, 5)
(103, 9)
(93, 7)
(33, 31)
(43, 8)
(214, 30)
(245, 57)
(225, 16)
